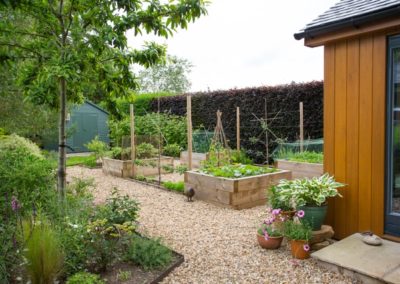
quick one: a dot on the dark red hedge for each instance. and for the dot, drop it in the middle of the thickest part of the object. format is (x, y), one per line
(282, 107)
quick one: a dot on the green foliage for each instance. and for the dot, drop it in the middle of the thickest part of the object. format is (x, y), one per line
(236, 171)
(173, 128)
(85, 278)
(2, 131)
(170, 77)
(25, 174)
(89, 161)
(181, 169)
(25, 146)
(240, 157)
(178, 186)
(43, 252)
(305, 156)
(148, 253)
(172, 150)
(276, 202)
(146, 150)
(99, 148)
(295, 230)
(120, 153)
(141, 104)
(124, 275)
(202, 140)
(305, 191)
(10, 258)
(119, 209)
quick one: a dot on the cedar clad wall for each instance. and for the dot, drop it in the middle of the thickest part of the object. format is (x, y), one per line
(354, 132)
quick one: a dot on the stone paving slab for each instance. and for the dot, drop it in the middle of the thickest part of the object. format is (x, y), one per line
(352, 255)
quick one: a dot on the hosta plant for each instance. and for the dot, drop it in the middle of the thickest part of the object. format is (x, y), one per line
(306, 191)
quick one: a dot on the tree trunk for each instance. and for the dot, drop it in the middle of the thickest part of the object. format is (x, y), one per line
(62, 139)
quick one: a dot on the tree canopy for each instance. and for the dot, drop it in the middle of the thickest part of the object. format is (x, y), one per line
(70, 48)
(169, 77)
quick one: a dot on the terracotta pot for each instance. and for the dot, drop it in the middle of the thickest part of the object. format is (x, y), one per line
(271, 243)
(297, 248)
(288, 215)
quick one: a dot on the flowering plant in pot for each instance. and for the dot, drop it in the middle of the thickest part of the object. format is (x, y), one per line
(283, 204)
(270, 234)
(299, 235)
(309, 195)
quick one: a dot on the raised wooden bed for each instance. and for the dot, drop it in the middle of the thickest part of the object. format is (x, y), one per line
(148, 167)
(300, 169)
(236, 193)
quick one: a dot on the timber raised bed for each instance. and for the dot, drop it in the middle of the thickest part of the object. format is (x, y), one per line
(300, 169)
(147, 167)
(237, 193)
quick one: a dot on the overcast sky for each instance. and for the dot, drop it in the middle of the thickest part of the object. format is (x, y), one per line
(246, 43)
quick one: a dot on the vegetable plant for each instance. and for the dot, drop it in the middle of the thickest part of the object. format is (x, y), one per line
(305, 156)
(236, 170)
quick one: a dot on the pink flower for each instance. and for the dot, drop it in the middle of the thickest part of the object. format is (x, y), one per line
(306, 247)
(300, 213)
(15, 204)
(276, 211)
(266, 236)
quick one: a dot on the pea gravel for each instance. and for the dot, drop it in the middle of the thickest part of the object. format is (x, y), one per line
(219, 244)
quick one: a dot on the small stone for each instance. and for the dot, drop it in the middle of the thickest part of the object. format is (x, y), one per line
(372, 240)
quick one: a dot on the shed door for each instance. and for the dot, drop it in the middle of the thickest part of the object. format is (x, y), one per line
(86, 130)
(392, 208)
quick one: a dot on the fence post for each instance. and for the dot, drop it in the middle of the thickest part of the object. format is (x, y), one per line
(301, 127)
(132, 139)
(238, 129)
(189, 129)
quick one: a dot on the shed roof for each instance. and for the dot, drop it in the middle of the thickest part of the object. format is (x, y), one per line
(350, 13)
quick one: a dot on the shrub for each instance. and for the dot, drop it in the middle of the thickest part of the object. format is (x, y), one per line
(175, 186)
(99, 148)
(172, 150)
(173, 128)
(42, 252)
(146, 150)
(148, 253)
(25, 174)
(240, 157)
(85, 278)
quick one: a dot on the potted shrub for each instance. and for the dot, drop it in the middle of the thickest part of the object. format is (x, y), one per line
(309, 195)
(275, 202)
(269, 235)
(299, 235)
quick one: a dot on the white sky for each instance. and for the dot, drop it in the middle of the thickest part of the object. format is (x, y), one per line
(246, 43)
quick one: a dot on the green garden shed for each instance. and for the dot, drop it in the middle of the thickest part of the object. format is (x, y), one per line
(84, 123)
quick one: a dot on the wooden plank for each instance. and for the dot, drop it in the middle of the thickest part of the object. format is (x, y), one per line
(189, 129)
(329, 120)
(353, 92)
(340, 134)
(378, 137)
(384, 26)
(365, 134)
(133, 156)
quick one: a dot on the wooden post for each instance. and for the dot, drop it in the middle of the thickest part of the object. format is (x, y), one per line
(301, 127)
(266, 131)
(238, 129)
(132, 139)
(189, 129)
(159, 141)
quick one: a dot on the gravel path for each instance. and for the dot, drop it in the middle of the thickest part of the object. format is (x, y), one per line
(219, 245)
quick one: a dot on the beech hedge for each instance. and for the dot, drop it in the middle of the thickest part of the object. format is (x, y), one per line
(281, 102)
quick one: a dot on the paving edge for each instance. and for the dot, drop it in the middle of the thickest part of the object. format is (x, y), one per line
(356, 275)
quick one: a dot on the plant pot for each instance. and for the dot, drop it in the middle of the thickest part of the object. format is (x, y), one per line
(288, 215)
(297, 249)
(314, 215)
(271, 243)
